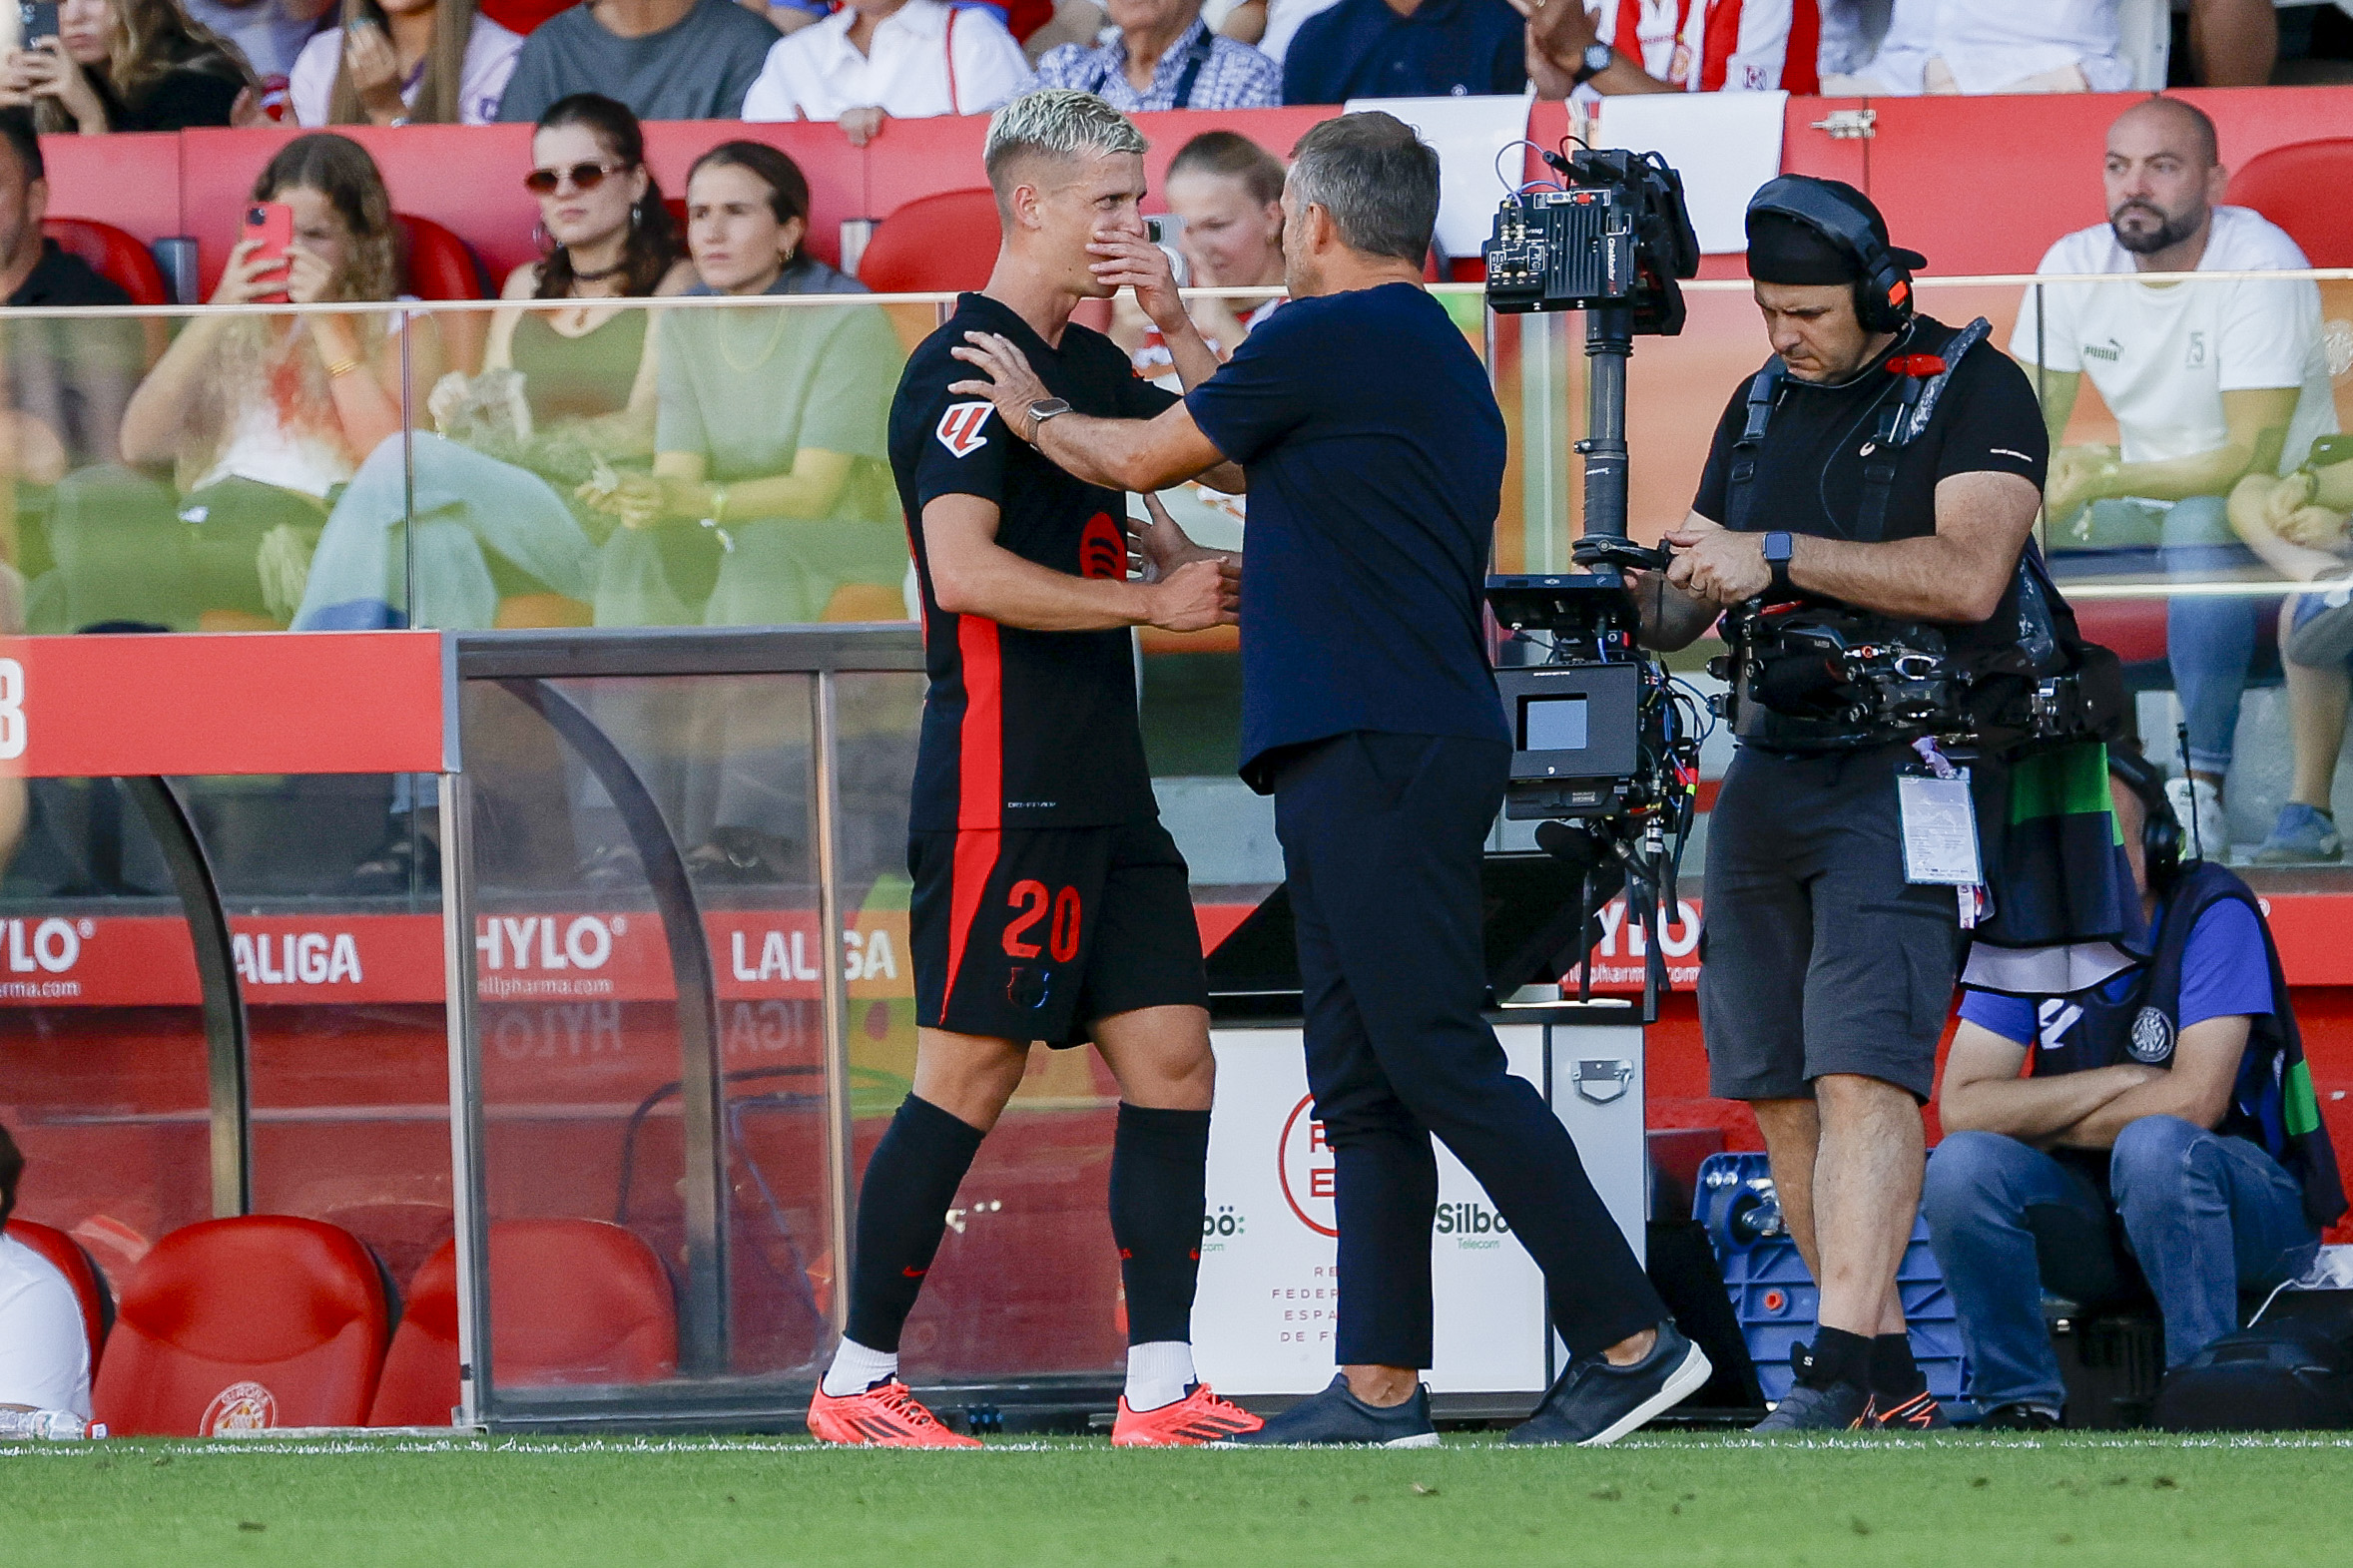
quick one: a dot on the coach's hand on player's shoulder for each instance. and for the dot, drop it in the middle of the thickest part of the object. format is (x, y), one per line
(1132, 261)
(1714, 563)
(1012, 384)
(1193, 598)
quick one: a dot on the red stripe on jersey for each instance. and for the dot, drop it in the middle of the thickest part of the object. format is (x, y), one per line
(981, 742)
(1801, 67)
(1719, 41)
(980, 785)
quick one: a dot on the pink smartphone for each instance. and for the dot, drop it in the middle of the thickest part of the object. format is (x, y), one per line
(272, 223)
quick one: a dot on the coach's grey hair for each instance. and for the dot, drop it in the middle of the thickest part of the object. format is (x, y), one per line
(1056, 122)
(1377, 179)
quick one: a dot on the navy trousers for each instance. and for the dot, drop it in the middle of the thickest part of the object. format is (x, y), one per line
(1382, 841)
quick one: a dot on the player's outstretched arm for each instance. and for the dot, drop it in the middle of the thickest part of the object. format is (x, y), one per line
(1119, 454)
(971, 574)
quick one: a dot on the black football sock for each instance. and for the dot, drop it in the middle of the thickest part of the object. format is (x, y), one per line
(1893, 1371)
(1839, 1357)
(902, 1204)
(1159, 1182)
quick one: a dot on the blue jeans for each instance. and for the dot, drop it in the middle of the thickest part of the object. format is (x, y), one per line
(2203, 1214)
(2210, 639)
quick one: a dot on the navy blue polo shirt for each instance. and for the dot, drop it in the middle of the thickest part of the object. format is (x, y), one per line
(1375, 452)
(1446, 49)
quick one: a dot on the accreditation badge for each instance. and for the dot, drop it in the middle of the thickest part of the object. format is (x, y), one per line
(1940, 825)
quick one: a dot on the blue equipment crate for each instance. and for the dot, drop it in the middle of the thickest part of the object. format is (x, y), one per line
(1774, 1296)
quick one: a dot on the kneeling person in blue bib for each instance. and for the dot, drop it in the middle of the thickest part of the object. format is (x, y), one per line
(2167, 1125)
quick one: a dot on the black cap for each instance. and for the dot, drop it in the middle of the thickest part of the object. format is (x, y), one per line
(1786, 248)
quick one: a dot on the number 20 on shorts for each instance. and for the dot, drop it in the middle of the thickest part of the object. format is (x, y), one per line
(1031, 899)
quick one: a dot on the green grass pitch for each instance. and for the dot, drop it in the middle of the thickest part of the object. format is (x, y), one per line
(1699, 1500)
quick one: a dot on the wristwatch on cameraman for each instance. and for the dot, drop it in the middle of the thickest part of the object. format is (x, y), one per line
(1598, 58)
(1044, 409)
(1779, 547)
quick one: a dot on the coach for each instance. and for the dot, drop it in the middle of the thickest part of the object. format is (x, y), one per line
(1373, 452)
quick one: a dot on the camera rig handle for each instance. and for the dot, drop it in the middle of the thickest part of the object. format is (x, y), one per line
(1602, 550)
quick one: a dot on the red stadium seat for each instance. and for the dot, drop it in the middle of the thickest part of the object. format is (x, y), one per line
(118, 257)
(2132, 629)
(571, 1302)
(2300, 187)
(72, 1260)
(521, 16)
(435, 264)
(933, 244)
(237, 1324)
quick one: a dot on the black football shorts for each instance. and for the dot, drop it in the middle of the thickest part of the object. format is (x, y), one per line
(1033, 934)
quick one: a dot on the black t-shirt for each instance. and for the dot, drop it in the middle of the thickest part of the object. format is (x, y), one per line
(1809, 477)
(181, 99)
(62, 278)
(1021, 729)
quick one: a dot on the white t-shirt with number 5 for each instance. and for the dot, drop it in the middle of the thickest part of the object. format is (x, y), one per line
(2163, 356)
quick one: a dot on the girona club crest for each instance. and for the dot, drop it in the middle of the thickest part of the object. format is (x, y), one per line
(1102, 549)
(959, 428)
(239, 1407)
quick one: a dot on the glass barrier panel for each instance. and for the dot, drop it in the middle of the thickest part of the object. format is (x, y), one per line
(103, 1053)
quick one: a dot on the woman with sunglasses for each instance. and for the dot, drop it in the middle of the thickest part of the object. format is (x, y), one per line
(567, 392)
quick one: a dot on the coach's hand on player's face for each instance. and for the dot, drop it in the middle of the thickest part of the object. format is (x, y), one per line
(1713, 563)
(1132, 261)
(1012, 384)
(1193, 598)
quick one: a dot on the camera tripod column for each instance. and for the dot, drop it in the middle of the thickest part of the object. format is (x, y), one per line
(1609, 343)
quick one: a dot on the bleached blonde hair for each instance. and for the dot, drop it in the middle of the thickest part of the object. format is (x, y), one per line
(1055, 122)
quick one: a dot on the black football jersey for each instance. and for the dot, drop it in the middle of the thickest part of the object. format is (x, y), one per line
(1021, 729)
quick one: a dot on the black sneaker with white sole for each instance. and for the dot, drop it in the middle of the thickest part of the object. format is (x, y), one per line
(1338, 1417)
(1594, 1402)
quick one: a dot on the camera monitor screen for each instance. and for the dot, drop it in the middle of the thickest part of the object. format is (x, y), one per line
(1553, 724)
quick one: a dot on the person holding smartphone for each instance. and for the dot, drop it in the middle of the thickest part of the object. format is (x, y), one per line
(263, 416)
(405, 62)
(121, 65)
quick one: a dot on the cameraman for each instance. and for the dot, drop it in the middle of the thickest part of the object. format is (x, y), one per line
(1828, 977)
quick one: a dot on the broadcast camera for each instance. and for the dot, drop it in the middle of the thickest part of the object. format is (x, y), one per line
(1606, 744)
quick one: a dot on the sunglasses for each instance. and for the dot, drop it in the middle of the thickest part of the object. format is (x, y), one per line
(584, 176)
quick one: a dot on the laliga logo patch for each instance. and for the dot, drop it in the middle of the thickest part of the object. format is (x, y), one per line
(2152, 1037)
(959, 428)
(239, 1407)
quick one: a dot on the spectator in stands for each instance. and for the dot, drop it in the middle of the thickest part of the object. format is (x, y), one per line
(564, 392)
(2169, 1110)
(44, 1346)
(126, 65)
(664, 58)
(873, 60)
(1675, 46)
(1995, 46)
(2207, 382)
(65, 382)
(771, 423)
(2298, 524)
(263, 416)
(268, 33)
(405, 62)
(1163, 56)
(1406, 49)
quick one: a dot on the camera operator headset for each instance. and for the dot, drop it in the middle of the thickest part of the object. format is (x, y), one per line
(1881, 473)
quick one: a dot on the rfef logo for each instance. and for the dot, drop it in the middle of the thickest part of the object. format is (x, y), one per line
(1304, 1164)
(959, 428)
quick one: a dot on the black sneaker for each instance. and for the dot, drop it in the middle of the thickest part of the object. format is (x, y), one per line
(1832, 1407)
(2020, 1418)
(1594, 1402)
(1338, 1417)
(1918, 1413)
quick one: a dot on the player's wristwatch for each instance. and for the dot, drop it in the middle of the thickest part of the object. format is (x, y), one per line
(1598, 58)
(1044, 409)
(1779, 547)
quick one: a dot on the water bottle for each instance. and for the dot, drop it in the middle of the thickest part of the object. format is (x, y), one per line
(47, 1426)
